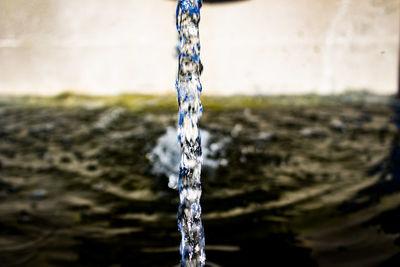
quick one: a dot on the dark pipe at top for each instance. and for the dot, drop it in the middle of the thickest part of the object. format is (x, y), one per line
(220, 1)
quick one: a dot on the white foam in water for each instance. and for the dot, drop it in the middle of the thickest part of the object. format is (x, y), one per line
(165, 156)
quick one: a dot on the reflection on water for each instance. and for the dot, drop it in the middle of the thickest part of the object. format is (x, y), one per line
(302, 186)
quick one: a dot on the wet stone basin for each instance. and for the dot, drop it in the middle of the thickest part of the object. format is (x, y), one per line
(284, 185)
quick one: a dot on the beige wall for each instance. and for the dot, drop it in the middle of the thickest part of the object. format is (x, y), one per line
(251, 47)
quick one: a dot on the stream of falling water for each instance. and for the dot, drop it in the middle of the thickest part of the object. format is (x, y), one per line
(327, 84)
(189, 88)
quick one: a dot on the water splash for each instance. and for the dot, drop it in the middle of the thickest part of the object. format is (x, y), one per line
(165, 155)
(189, 88)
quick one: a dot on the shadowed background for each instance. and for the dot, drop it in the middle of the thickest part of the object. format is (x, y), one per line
(248, 47)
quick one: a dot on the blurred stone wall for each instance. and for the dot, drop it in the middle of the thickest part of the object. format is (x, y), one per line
(248, 47)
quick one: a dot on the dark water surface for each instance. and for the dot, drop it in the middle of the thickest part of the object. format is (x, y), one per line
(298, 186)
